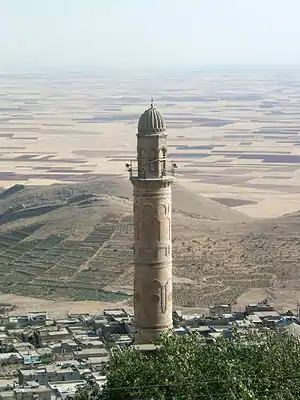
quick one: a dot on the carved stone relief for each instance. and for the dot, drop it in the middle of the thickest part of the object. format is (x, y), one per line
(162, 294)
(162, 211)
(146, 214)
(154, 232)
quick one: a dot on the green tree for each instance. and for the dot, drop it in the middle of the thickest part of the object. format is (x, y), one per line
(47, 358)
(10, 326)
(253, 366)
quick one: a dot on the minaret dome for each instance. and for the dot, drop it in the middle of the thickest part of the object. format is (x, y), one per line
(151, 122)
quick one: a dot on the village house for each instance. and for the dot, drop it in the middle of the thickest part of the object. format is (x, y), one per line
(57, 372)
(30, 392)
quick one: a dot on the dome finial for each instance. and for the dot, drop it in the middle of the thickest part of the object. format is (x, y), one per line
(151, 102)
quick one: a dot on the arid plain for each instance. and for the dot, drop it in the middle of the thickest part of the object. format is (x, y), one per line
(234, 136)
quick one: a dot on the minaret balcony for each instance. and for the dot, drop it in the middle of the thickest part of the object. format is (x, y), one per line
(152, 170)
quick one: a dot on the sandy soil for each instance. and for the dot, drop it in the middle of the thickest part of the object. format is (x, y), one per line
(57, 309)
(282, 299)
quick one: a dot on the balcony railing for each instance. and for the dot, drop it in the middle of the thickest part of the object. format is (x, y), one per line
(161, 173)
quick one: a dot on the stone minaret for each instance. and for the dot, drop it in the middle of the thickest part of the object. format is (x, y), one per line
(152, 178)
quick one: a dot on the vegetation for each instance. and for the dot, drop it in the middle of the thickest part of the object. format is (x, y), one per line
(256, 366)
(47, 358)
(10, 326)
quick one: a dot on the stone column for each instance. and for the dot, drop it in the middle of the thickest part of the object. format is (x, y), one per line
(152, 257)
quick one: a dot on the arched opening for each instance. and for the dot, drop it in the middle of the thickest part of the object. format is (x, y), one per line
(164, 161)
(153, 161)
(155, 230)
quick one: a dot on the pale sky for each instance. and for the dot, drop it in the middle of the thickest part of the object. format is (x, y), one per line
(74, 33)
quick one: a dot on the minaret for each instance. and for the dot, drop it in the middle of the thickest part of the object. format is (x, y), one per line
(152, 177)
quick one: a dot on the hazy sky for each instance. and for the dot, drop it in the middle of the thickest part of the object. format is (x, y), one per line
(143, 32)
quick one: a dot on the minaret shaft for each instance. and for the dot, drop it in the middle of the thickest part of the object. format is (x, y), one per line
(152, 257)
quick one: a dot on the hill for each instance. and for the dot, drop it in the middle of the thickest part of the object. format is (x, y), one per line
(75, 242)
(248, 262)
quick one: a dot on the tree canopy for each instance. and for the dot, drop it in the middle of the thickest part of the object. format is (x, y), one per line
(255, 365)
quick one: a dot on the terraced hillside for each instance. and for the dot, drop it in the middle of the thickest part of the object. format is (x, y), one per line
(258, 255)
(75, 242)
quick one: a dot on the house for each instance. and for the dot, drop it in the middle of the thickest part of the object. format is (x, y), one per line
(114, 327)
(57, 372)
(259, 307)
(99, 322)
(62, 390)
(255, 320)
(34, 391)
(6, 340)
(219, 309)
(72, 322)
(98, 363)
(53, 334)
(122, 340)
(64, 347)
(92, 352)
(201, 330)
(269, 318)
(88, 339)
(31, 319)
(30, 356)
(10, 358)
(117, 313)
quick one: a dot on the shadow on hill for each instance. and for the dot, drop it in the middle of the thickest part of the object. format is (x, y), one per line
(12, 190)
(11, 216)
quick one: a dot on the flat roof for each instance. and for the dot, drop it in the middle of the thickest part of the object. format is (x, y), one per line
(97, 350)
(66, 387)
(97, 360)
(146, 347)
(262, 314)
(7, 356)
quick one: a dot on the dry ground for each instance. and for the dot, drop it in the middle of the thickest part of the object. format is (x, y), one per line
(75, 241)
(56, 309)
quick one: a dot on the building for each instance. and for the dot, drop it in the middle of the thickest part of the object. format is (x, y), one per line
(260, 307)
(64, 347)
(59, 372)
(30, 392)
(31, 319)
(152, 179)
(30, 356)
(52, 335)
(10, 358)
(219, 309)
(116, 314)
(65, 390)
(92, 352)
